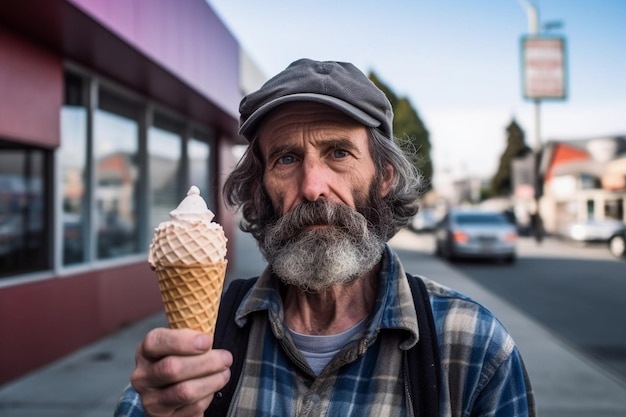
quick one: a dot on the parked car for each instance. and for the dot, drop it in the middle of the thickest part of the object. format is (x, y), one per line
(592, 230)
(617, 243)
(424, 221)
(464, 233)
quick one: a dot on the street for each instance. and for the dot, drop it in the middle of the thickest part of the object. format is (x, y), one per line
(577, 293)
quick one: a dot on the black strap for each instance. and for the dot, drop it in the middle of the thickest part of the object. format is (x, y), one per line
(423, 359)
(233, 338)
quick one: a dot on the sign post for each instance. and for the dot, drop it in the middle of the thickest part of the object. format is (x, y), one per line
(544, 77)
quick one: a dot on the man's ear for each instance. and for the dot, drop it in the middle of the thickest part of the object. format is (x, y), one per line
(387, 180)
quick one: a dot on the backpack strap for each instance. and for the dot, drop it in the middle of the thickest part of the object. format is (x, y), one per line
(233, 338)
(422, 360)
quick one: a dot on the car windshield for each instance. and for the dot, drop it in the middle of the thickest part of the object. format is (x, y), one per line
(480, 219)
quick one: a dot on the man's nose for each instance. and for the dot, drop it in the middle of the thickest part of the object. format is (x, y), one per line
(314, 183)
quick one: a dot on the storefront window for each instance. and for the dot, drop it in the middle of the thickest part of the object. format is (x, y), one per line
(24, 209)
(116, 170)
(199, 168)
(164, 149)
(73, 162)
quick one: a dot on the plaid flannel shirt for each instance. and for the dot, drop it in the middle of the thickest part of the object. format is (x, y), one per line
(482, 373)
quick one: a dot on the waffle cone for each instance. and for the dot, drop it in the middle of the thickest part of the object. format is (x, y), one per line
(191, 294)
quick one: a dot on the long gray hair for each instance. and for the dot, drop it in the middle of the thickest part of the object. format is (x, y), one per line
(244, 186)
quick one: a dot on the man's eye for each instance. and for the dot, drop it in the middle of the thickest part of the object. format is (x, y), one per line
(286, 160)
(339, 153)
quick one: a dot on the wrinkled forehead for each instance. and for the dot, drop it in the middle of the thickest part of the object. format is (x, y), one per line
(306, 113)
(295, 123)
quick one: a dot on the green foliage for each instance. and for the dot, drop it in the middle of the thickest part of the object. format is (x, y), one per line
(407, 124)
(516, 147)
(486, 192)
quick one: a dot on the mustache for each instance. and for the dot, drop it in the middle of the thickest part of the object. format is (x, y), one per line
(317, 213)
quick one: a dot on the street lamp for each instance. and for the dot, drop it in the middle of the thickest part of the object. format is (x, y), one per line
(533, 16)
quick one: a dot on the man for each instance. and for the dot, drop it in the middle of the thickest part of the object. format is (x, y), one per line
(323, 187)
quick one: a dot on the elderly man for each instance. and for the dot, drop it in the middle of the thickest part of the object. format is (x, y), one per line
(334, 326)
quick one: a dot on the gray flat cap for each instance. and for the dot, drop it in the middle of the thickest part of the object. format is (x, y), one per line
(340, 85)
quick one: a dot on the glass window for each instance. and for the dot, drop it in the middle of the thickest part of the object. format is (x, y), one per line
(614, 209)
(116, 171)
(591, 209)
(164, 150)
(199, 152)
(24, 209)
(588, 182)
(477, 219)
(73, 162)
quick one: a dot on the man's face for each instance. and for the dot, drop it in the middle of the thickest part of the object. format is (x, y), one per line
(313, 151)
(318, 172)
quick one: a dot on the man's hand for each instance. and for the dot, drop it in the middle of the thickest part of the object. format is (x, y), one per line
(177, 372)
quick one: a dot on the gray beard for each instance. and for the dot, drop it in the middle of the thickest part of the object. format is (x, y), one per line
(344, 247)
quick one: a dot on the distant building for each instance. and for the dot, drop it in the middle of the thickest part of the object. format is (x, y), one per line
(109, 111)
(583, 180)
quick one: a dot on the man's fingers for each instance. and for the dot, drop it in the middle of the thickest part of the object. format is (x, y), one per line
(187, 398)
(172, 369)
(154, 374)
(161, 342)
(177, 372)
(191, 391)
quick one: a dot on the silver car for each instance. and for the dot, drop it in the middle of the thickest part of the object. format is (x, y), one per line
(464, 233)
(592, 230)
(424, 221)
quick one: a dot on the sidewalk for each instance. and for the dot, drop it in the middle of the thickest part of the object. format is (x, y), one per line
(88, 382)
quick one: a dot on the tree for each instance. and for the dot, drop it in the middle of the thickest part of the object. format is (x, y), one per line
(516, 147)
(407, 124)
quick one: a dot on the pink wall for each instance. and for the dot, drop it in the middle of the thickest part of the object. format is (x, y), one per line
(31, 85)
(43, 321)
(185, 40)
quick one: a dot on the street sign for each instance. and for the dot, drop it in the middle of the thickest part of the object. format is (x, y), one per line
(544, 72)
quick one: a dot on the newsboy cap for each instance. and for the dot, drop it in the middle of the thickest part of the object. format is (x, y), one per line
(340, 85)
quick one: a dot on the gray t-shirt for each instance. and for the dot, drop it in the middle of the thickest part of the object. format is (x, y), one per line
(319, 350)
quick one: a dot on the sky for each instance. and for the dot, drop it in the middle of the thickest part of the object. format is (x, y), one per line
(457, 61)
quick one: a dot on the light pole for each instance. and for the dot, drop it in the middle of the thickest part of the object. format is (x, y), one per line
(532, 14)
(544, 76)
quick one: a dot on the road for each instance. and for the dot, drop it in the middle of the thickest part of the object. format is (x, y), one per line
(578, 293)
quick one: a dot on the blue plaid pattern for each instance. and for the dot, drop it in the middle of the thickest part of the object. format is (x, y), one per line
(482, 370)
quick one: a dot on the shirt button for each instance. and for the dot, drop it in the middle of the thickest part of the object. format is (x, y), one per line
(315, 398)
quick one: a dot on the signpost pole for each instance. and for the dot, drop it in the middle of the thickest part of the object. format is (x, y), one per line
(536, 221)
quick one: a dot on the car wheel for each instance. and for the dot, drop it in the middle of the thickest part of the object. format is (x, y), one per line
(617, 246)
(438, 250)
(510, 259)
(450, 255)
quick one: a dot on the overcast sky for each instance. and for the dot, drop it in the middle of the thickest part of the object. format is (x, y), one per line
(458, 62)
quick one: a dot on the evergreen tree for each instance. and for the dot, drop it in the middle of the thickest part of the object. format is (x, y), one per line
(516, 147)
(407, 124)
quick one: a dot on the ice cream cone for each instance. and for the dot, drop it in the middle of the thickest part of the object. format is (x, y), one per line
(188, 253)
(191, 294)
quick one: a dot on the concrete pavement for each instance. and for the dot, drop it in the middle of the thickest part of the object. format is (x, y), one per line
(88, 382)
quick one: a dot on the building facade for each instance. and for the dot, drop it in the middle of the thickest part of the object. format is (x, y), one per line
(583, 180)
(109, 111)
